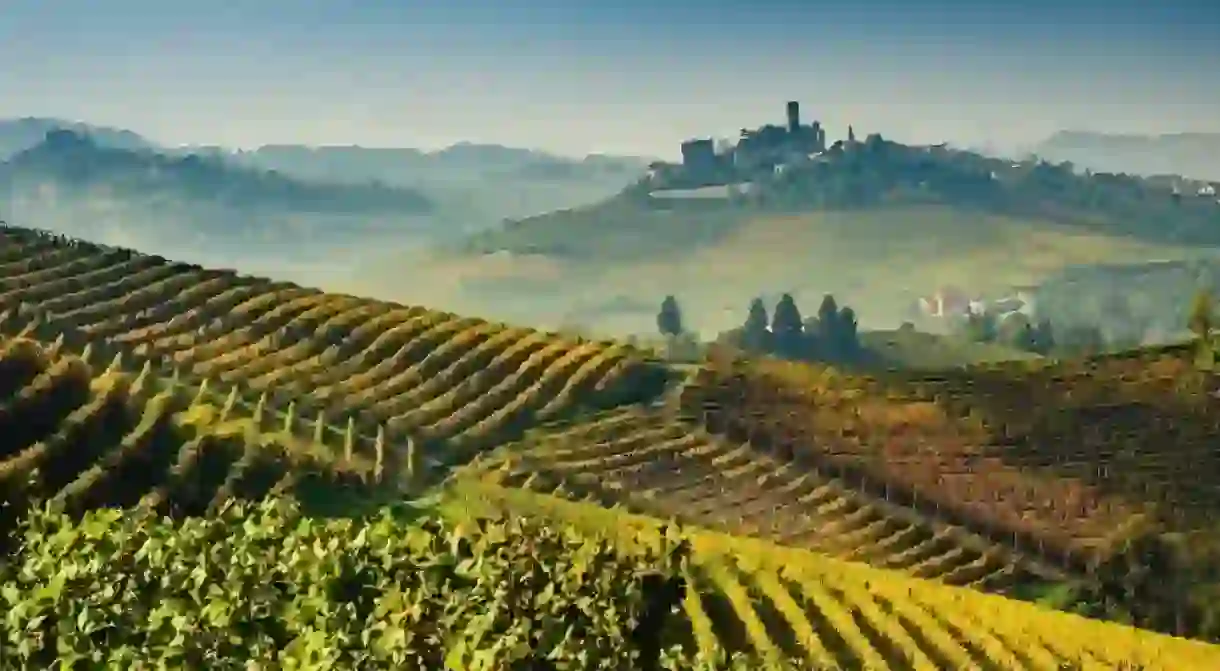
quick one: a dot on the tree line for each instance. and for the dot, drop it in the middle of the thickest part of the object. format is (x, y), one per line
(831, 336)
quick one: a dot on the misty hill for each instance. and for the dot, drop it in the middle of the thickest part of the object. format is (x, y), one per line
(484, 182)
(72, 183)
(1194, 155)
(879, 225)
(474, 185)
(17, 135)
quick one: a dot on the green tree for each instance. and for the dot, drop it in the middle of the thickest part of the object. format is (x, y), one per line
(754, 334)
(669, 319)
(787, 331)
(847, 334)
(828, 329)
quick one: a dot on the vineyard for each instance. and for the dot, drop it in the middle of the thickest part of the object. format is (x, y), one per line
(448, 382)
(749, 596)
(646, 462)
(475, 587)
(1073, 458)
(81, 439)
(868, 514)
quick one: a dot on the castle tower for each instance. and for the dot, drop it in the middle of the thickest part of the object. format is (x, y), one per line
(794, 117)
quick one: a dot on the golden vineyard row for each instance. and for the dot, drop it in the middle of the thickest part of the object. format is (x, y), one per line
(786, 604)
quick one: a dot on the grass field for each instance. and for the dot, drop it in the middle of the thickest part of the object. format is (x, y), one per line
(878, 260)
(961, 477)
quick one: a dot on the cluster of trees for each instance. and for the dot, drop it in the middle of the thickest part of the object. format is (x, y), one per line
(831, 336)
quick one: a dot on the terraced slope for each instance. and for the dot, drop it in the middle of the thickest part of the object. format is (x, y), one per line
(648, 462)
(440, 378)
(785, 605)
(83, 438)
(1075, 457)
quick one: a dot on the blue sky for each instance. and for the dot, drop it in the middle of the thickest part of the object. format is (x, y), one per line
(627, 76)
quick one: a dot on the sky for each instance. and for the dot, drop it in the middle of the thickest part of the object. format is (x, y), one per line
(622, 76)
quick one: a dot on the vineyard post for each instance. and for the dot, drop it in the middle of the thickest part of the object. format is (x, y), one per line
(413, 461)
(319, 429)
(379, 456)
(116, 364)
(200, 396)
(230, 403)
(349, 440)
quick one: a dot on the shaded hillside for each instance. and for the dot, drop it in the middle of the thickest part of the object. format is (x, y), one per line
(1194, 155)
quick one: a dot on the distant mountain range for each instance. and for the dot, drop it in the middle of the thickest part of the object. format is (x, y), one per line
(187, 204)
(17, 135)
(1195, 155)
(477, 184)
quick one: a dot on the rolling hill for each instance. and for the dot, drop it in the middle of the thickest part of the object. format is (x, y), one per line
(936, 474)
(876, 226)
(606, 268)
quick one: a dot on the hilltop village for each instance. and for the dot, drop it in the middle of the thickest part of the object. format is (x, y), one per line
(765, 150)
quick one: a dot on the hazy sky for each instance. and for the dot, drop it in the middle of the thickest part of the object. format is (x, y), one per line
(624, 76)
